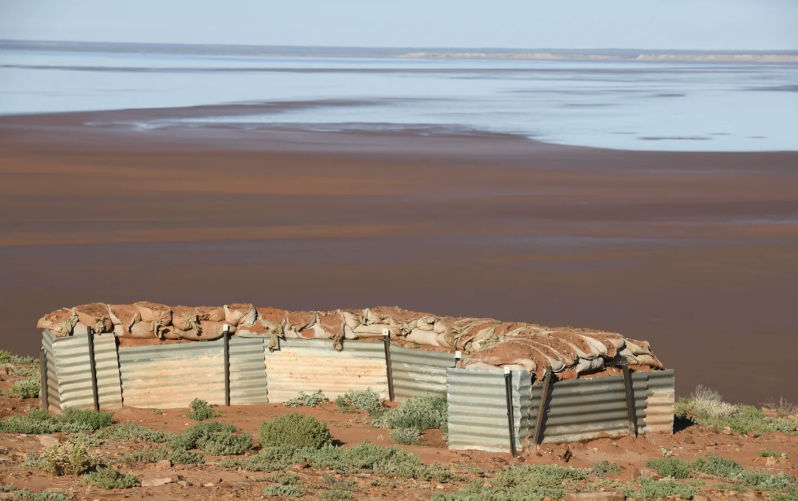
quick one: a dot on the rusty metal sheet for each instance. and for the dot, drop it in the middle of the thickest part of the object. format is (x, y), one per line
(172, 375)
(308, 365)
(477, 409)
(73, 372)
(417, 372)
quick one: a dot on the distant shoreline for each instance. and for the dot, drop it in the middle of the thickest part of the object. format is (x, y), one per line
(455, 53)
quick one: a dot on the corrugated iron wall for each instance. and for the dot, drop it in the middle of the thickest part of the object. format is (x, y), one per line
(416, 372)
(308, 365)
(53, 396)
(477, 408)
(172, 375)
(73, 372)
(584, 409)
(247, 371)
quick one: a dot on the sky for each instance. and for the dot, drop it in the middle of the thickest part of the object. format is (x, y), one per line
(592, 24)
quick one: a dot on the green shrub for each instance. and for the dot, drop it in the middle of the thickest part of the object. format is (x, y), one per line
(732, 470)
(34, 496)
(767, 453)
(305, 400)
(194, 436)
(361, 400)
(521, 483)
(153, 455)
(226, 443)
(670, 467)
(71, 421)
(272, 459)
(282, 478)
(295, 430)
(290, 491)
(606, 467)
(406, 436)
(421, 413)
(336, 494)
(25, 388)
(662, 488)
(200, 410)
(127, 432)
(108, 478)
(67, 458)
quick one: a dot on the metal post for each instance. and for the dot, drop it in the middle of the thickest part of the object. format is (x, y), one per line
(93, 366)
(226, 335)
(544, 398)
(44, 392)
(508, 391)
(386, 339)
(630, 400)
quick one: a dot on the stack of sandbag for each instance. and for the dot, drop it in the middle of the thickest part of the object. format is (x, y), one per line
(488, 343)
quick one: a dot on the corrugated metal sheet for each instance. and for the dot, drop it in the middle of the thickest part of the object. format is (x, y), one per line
(584, 409)
(417, 372)
(477, 409)
(73, 371)
(53, 396)
(311, 364)
(172, 375)
(657, 415)
(247, 371)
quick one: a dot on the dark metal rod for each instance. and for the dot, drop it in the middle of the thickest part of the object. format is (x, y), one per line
(508, 391)
(386, 339)
(226, 366)
(93, 366)
(544, 398)
(44, 388)
(630, 399)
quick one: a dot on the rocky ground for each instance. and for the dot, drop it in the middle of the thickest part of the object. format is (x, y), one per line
(613, 467)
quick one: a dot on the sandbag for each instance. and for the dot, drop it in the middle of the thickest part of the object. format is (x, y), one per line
(96, 316)
(240, 314)
(123, 316)
(154, 312)
(185, 318)
(211, 313)
(60, 322)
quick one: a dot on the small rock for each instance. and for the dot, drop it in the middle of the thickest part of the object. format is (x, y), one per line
(771, 461)
(183, 483)
(700, 497)
(594, 496)
(155, 482)
(163, 464)
(439, 487)
(209, 484)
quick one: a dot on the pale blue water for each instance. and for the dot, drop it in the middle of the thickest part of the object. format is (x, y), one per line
(612, 104)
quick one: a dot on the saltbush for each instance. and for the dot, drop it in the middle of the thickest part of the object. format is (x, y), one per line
(153, 455)
(67, 458)
(290, 491)
(421, 413)
(295, 430)
(665, 487)
(606, 467)
(201, 410)
(305, 400)
(108, 478)
(361, 400)
(25, 388)
(406, 436)
(71, 421)
(670, 467)
(126, 432)
(521, 483)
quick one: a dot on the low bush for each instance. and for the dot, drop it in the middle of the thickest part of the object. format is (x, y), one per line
(670, 467)
(71, 421)
(767, 453)
(706, 407)
(421, 413)
(606, 467)
(25, 494)
(126, 432)
(67, 458)
(109, 478)
(201, 410)
(226, 443)
(665, 487)
(361, 401)
(295, 430)
(290, 491)
(521, 483)
(406, 436)
(282, 478)
(305, 400)
(153, 455)
(732, 470)
(25, 388)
